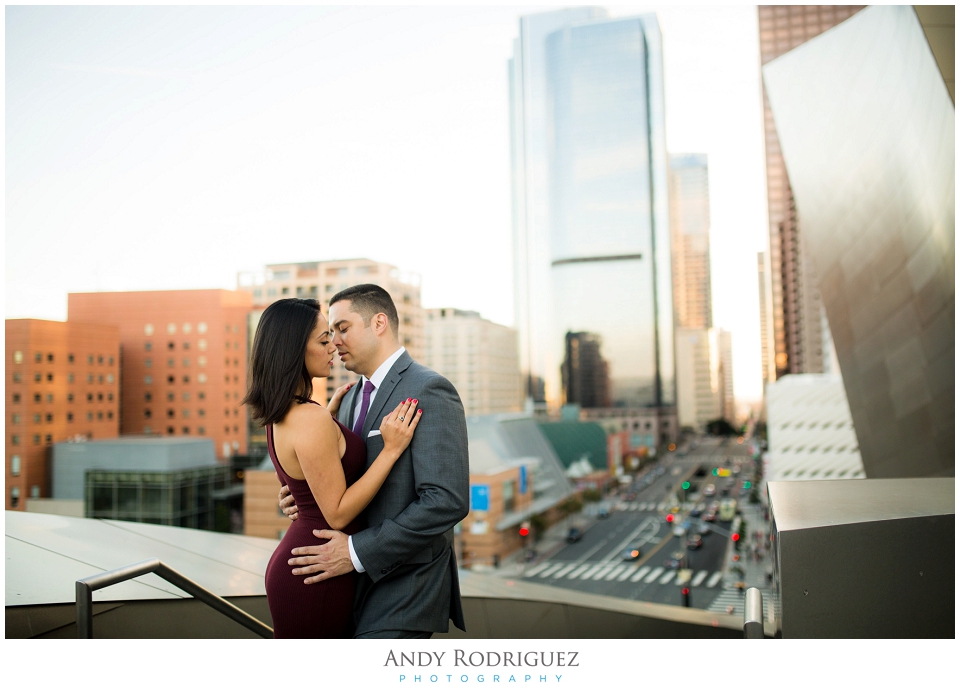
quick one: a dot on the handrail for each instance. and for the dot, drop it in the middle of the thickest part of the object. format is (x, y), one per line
(753, 614)
(86, 586)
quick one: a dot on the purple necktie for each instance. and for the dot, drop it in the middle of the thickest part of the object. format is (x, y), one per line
(364, 405)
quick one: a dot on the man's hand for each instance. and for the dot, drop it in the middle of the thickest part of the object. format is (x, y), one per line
(285, 499)
(332, 559)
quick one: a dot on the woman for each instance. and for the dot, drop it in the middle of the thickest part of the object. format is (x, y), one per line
(319, 459)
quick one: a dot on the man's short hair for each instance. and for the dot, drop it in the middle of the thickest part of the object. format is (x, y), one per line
(368, 300)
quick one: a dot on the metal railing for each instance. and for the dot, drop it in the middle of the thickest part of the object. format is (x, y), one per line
(86, 586)
(753, 614)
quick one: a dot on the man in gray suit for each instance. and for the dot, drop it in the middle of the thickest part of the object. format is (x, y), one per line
(408, 585)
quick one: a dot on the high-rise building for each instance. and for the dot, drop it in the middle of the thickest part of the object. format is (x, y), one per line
(728, 406)
(62, 382)
(794, 296)
(699, 394)
(478, 356)
(591, 210)
(320, 280)
(184, 360)
(690, 239)
(767, 342)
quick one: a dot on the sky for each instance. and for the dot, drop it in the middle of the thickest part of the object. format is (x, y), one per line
(175, 147)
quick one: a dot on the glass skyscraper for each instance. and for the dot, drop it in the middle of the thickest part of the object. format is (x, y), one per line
(591, 227)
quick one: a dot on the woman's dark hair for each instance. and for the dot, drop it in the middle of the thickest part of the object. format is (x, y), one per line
(278, 374)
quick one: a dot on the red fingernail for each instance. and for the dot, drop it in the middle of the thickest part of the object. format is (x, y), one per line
(419, 411)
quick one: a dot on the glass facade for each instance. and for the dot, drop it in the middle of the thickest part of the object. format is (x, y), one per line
(592, 239)
(183, 498)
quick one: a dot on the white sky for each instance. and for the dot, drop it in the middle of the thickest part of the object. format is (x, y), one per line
(170, 148)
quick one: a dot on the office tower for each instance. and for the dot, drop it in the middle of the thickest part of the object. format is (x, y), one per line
(184, 360)
(320, 280)
(699, 392)
(690, 239)
(62, 382)
(591, 212)
(795, 297)
(865, 116)
(728, 406)
(767, 353)
(478, 356)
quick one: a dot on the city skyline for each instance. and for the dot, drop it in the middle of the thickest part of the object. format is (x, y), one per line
(107, 127)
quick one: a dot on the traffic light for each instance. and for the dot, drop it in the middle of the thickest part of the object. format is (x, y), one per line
(747, 485)
(669, 518)
(685, 486)
(735, 537)
(685, 594)
(524, 530)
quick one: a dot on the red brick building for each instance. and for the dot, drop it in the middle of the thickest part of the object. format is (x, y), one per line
(184, 359)
(62, 380)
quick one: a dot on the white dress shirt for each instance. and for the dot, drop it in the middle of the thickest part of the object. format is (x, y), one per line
(376, 379)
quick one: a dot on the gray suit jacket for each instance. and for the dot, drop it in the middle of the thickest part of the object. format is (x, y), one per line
(411, 580)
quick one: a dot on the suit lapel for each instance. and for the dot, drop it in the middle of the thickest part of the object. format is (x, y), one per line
(379, 405)
(346, 406)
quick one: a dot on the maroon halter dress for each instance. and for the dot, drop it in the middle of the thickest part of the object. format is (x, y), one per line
(320, 610)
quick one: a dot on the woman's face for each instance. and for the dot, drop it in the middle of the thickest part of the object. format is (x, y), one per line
(320, 349)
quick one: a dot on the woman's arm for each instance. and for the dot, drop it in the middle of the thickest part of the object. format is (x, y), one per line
(316, 445)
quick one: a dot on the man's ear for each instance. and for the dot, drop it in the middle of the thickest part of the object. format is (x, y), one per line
(380, 324)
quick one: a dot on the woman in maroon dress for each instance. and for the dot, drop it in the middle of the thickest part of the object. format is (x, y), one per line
(319, 459)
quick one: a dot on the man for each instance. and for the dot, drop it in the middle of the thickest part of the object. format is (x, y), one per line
(408, 586)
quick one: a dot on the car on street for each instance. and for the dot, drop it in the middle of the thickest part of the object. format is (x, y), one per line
(709, 490)
(728, 509)
(603, 512)
(675, 561)
(709, 516)
(704, 528)
(632, 553)
(694, 542)
(574, 534)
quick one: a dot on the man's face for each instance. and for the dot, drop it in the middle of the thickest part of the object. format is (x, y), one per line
(356, 341)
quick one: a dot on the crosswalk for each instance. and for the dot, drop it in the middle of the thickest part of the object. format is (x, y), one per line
(651, 506)
(619, 571)
(731, 595)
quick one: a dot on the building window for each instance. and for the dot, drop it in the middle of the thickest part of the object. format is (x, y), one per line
(99, 378)
(90, 359)
(148, 346)
(49, 397)
(100, 359)
(36, 439)
(48, 439)
(187, 328)
(171, 363)
(110, 415)
(171, 379)
(49, 417)
(14, 497)
(186, 396)
(69, 397)
(201, 431)
(89, 378)
(201, 328)
(69, 416)
(99, 397)
(170, 430)
(15, 465)
(186, 345)
(18, 357)
(16, 397)
(89, 397)
(70, 377)
(16, 377)
(201, 361)
(89, 416)
(35, 491)
(147, 397)
(148, 329)
(186, 430)
(109, 361)
(186, 378)
(36, 397)
(201, 345)
(37, 378)
(36, 418)
(38, 357)
(147, 413)
(171, 397)
(15, 440)
(171, 328)
(186, 363)
(15, 419)
(201, 395)
(100, 416)
(148, 380)
(49, 378)
(109, 378)
(171, 346)
(70, 358)
(148, 363)
(201, 413)
(201, 378)
(186, 414)
(147, 430)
